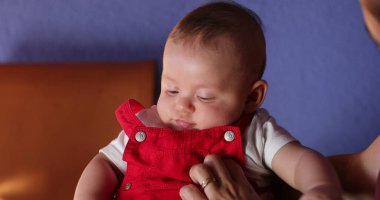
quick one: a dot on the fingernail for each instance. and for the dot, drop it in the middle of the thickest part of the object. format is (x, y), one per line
(182, 192)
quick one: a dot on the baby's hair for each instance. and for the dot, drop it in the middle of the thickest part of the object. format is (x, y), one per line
(226, 18)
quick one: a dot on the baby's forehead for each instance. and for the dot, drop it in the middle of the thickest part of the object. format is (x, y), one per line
(220, 53)
(223, 47)
(222, 44)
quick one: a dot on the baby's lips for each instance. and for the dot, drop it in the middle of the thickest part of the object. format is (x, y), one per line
(184, 124)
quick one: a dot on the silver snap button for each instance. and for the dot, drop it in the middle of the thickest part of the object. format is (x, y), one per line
(229, 136)
(127, 186)
(140, 136)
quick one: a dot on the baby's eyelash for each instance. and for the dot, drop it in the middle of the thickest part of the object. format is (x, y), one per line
(206, 99)
(172, 92)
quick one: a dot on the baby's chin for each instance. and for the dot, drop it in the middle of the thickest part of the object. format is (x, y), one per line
(172, 124)
(182, 129)
(175, 126)
(179, 128)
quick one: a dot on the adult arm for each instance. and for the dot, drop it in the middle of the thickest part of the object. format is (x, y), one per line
(358, 171)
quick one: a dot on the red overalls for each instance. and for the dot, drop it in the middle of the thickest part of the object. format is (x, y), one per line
(159, 159)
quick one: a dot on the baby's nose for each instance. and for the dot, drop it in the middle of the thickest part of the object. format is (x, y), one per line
(185, 105)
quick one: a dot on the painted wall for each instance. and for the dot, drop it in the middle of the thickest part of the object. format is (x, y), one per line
(323, 69)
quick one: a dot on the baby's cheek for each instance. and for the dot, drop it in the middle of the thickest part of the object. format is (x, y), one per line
(162, 110)
(212, 118)
(225, 117)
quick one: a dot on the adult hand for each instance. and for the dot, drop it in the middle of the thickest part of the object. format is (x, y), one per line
(220, 179)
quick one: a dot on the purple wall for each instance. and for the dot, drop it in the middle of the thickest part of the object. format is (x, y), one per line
(323, 69)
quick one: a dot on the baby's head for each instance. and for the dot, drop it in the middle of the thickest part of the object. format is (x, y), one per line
(212, 66)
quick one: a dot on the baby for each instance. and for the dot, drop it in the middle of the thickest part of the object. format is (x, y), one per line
(211, 92)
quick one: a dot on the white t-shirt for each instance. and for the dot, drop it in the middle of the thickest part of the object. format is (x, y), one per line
(261, 141)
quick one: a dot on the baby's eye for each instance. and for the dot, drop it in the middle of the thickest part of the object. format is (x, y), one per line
(206, 99)
(172, 92)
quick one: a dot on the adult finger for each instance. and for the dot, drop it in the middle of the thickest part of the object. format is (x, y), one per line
(235, 170)
(231, 180)
(218, 167)
(191, 192)
(202, 175)
(239, 177)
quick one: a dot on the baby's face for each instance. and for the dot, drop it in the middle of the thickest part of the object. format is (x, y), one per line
(200, 88)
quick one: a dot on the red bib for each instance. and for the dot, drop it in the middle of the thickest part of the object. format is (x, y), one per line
(159, 159)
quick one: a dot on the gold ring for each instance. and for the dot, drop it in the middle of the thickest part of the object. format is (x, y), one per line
(207, 181)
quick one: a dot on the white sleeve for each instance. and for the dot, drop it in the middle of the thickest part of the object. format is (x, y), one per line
(263, 138)
(114, 151)
(276, 137)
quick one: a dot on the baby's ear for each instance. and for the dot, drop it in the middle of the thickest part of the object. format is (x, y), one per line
(256, 96)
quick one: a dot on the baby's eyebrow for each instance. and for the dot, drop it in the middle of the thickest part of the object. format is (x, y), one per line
(168, 78)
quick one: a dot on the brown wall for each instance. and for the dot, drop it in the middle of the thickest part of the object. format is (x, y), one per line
(55, 117)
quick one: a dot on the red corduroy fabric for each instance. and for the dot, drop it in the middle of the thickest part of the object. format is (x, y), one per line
(159, 166)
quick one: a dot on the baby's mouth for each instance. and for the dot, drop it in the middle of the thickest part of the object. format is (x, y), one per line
(182, 124)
